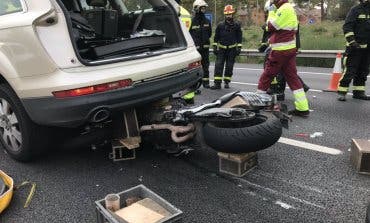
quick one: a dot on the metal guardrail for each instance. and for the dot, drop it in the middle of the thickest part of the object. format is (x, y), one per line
(302, 53)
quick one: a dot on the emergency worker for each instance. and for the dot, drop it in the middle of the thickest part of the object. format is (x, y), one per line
(356, 61)
(227, 45)
(282, 23)
(201, 31)
(278, 83)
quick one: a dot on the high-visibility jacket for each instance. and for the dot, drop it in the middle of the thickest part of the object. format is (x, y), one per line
(6, 197)
(357, 25)
(283, 25)
(185, 17)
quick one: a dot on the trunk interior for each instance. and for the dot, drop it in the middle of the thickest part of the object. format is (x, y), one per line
(113, 29)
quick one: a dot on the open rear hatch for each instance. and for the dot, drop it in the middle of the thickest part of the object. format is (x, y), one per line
(115, 29)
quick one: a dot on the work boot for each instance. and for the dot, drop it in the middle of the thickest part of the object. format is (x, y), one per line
(226, 85)
(206, 84)
(342, 97)
(303, 114)
(360, 95)
(306, 88)
(216, 86)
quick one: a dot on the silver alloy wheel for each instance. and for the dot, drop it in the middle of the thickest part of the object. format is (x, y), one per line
(9, 126)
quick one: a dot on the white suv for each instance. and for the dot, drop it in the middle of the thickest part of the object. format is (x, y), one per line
(63, 62)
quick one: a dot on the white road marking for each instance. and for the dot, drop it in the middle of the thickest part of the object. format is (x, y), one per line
(284, 205)
(280, 194)
(310, 146)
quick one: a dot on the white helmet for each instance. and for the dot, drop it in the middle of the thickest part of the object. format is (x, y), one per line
(199, 3)
(267, 6)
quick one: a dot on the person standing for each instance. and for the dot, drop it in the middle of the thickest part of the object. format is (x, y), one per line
(282, 23)
(201, 31)
(356, 61)
(227, 45)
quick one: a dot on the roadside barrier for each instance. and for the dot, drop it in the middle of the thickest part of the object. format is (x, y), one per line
(336, 74)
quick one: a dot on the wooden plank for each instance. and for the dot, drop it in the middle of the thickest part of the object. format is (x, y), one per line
(137, 213)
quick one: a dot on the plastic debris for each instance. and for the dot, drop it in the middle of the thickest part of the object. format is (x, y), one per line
(141, 178)
(316, 134)
(302, 135)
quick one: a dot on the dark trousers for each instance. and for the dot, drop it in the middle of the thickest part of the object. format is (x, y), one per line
(278, 61)
(356, 67)
(224, 56)
(204, 52)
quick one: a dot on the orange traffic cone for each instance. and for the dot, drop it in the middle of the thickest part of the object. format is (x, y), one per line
(336, 75)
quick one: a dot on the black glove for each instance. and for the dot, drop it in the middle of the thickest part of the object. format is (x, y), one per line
(262, 47)
(238, 50)
(215, 50)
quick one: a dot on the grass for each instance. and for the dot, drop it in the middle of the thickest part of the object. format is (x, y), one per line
(325, 36)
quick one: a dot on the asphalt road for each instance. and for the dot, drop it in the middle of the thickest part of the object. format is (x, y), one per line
(290, 183)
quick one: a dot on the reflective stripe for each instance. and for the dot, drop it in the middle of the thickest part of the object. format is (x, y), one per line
(274, 81)
(240, 45)
(227, 47)
(214, 44)
(343, 89)
(349, 43)
(362, 16)
(359, 88)
(205, 79)
(301, 102)
(195, 27)
(205, 46)
(218, 78)
(227, 78)
(284, 46)
(349, 34)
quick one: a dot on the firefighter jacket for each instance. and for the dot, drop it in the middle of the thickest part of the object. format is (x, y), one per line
(283, 25)
(357, 25)
(201, 30)
(228, 35)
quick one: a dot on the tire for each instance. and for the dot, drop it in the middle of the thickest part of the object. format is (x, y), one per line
(250, 136)
(21, 138)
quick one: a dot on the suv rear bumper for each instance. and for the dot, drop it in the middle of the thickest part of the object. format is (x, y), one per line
(74, 112)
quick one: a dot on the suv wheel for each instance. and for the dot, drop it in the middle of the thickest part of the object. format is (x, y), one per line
(19, 136)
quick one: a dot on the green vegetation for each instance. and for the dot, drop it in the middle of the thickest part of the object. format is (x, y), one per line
(324, 36)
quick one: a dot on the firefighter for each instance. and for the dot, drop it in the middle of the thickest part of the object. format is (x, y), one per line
(227, 45)
(201, 31)
(282, 23)
(356, 61)
(278, 83)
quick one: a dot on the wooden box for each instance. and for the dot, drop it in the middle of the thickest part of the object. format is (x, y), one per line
(360, 155)
(237, 164)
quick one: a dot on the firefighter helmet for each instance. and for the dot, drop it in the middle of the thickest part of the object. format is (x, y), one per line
(267, 5)
(229, 9)
(198, 4)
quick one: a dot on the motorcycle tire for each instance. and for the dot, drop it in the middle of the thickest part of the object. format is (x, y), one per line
(243, 137)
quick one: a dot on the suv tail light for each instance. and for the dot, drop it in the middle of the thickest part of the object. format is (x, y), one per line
(92, 89)
(194, 65)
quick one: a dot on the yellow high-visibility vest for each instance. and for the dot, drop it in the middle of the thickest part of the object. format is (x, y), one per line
(185, 17)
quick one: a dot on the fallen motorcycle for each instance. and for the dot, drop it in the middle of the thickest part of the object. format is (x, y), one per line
(238, 122)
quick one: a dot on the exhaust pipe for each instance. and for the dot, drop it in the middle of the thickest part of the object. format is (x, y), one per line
(100, 115)
(188, 130)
